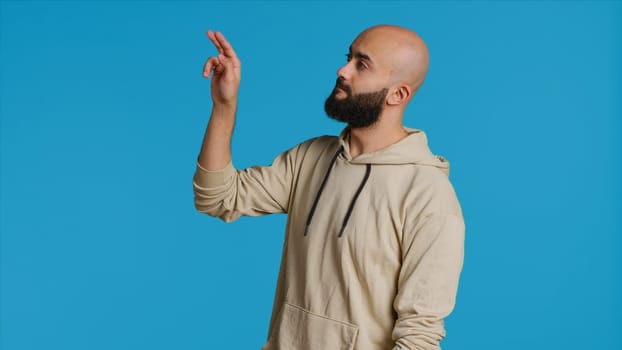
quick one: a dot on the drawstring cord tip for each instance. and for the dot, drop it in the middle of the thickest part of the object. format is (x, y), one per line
(343, 228)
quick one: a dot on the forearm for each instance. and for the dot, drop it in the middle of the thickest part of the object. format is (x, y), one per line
(216, 148)
(225, 70)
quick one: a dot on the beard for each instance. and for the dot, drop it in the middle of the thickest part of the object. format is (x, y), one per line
(359, 110)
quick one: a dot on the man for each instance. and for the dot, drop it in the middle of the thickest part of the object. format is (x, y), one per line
(374, 239)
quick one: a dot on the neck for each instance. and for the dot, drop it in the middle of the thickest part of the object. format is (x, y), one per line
(374, 138)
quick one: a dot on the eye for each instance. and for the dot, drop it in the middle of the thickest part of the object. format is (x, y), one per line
(360, 64)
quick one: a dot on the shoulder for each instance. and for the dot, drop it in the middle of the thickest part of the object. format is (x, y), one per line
(432, 192)
(317, 145)
(320, 141)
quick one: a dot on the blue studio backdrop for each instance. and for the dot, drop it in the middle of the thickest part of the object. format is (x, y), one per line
(103, 109)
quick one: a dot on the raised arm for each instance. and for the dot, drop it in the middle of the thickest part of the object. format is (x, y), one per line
(219, 189)
(225, 70)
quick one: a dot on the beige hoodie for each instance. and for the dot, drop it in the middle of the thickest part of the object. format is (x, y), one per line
(373, 247)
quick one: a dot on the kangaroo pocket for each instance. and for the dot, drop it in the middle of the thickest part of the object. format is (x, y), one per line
(299, 329)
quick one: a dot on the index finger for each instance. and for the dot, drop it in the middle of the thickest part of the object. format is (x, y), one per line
(212, 38)
(224, 44)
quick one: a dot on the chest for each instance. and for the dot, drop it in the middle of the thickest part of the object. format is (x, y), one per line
(357, 218)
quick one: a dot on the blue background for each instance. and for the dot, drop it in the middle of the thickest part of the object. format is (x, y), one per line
(103, 110)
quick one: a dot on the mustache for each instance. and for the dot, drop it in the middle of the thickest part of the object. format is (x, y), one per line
(340, 84)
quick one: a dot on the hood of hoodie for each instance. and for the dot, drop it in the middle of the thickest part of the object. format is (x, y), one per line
(413, 149)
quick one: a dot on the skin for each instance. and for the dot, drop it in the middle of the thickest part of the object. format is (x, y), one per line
(225, 70)
(380, 57)
(384, 57)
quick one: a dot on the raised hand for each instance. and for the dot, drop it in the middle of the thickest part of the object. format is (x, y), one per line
(225, 70)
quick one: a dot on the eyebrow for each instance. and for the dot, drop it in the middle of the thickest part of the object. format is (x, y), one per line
(359, 54)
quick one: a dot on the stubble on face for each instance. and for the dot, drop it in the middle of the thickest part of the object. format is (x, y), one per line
(357, 110)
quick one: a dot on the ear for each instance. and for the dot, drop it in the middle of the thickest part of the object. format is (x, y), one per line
(400, 95)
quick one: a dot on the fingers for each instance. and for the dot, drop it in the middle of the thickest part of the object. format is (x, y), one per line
(225, 61)
(212, 37)
(227, 64)
(227, 48)
(217, 64)
(211, 64)
(223, 46)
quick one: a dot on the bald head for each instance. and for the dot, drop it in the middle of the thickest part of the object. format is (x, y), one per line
(401, 50)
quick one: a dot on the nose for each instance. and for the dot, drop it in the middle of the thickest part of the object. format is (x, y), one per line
(344, 71)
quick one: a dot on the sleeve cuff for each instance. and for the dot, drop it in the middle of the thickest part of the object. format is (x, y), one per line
(213, 178)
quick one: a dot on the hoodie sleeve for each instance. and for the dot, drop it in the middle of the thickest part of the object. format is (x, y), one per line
(259, 190)
(428, 281)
